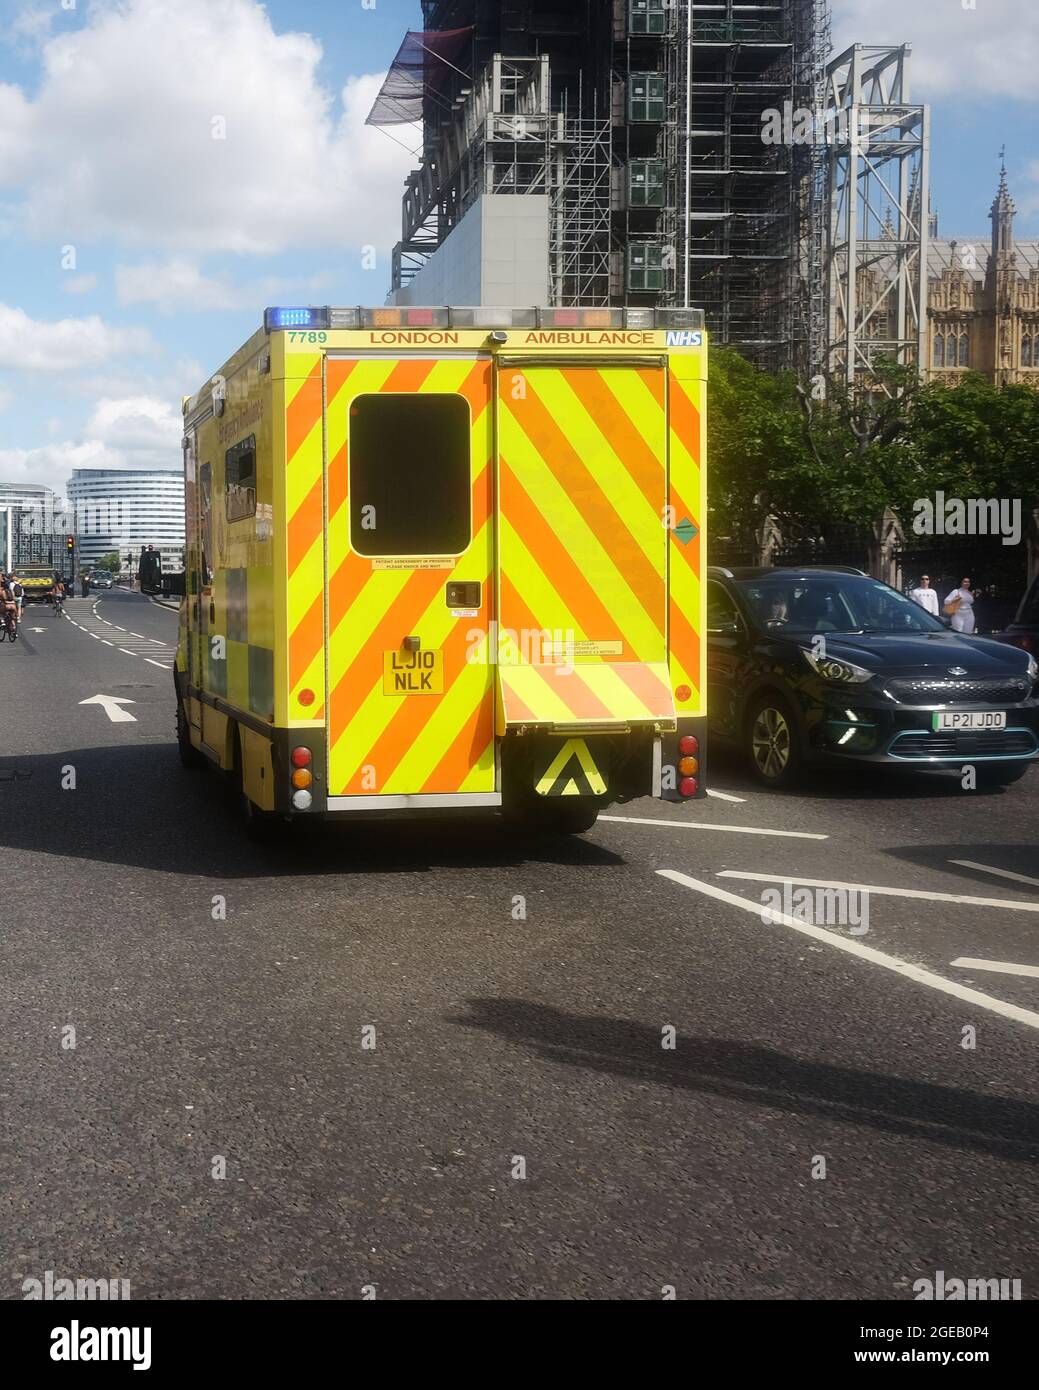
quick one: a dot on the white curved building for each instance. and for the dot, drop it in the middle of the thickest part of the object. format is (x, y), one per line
(125, 509)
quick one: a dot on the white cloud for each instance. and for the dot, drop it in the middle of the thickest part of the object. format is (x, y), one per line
(64, 345)
(178, 284)
(78, 284)
(128, 432)
(118, 140)
(989, 51)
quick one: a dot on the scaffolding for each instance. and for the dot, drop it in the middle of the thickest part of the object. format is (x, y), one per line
(878, 147)
(642, 120)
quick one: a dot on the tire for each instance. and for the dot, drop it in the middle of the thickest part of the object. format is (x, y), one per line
(556, 815)
(190, 757)
(771, 742)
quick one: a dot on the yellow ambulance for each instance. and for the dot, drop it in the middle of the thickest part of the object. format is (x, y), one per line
(448, 560)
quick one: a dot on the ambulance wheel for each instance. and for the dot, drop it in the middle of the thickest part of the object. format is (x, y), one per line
(190, 757)
(565, 815)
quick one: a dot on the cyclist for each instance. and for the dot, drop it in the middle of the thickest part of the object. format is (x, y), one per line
(9, 606)
(57, 595)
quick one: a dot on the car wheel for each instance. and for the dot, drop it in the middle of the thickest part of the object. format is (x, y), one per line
(190, 757)
(772, 744)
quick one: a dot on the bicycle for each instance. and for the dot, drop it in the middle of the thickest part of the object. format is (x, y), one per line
(9, 626)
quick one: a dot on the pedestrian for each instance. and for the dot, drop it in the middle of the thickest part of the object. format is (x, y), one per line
(19, 595)
(925, 596)
(959, 605)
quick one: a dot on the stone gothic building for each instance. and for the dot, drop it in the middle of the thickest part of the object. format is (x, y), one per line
(983, 302)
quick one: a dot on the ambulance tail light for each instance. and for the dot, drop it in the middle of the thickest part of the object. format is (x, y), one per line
(301, 757)
(295, 317)
(689, 745)
(404, 316)
(580, 318)
(688, 786)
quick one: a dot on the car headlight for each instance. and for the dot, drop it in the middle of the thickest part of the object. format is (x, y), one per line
(1033, 668)
(836, 669)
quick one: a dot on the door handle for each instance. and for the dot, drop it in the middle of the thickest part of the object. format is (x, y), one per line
(212, 610)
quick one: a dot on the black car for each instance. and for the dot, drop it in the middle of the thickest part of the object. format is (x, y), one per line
(829, 666)
(1023, 632)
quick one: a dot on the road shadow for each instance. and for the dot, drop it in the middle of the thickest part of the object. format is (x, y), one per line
(1018, 859)
(135, 805)
(748, 1072)
(861, 782)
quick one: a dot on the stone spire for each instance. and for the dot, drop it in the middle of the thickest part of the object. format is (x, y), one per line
(1002, 215)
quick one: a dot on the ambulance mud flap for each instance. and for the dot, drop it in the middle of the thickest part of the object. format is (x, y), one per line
(567, 769)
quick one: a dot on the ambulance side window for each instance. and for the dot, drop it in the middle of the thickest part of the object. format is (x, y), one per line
(205, 488)
(240, 479)
(409, 483)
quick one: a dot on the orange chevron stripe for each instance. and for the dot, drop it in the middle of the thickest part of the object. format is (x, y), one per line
(412, 715)
(685, 419)
(515, 710)
(408, 376)
(338, 481)
(305, 640)
(685, 641)
(648, 686)
(468, 749)
(552, 557)
(358, 680)
(574, 693)
(548, 437)
(520, 615)
(305, 525)
(614, 422)
(304, 411)
(476, 388)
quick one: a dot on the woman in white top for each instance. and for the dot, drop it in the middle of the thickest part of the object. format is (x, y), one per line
(963, 618)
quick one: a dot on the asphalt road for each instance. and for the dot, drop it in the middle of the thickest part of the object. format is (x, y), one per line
(518, 1129)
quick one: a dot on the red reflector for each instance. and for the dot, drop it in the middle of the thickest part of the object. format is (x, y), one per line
(306, 697)
(300, 757)
(688, 786)
(682, 694)
(689, 745)
(566, 318)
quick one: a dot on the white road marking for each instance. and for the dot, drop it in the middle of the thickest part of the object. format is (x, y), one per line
(127, 653)
(156, 663)
(999, 967)
(703, 825)
(107, 643)
(856, 948)
(138, 634)
(156, 641)
(1003, 873)
(724, 796)
(882, 892)
(113, 707)
(118, 628)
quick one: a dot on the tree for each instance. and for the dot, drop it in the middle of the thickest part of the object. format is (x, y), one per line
(109, 562)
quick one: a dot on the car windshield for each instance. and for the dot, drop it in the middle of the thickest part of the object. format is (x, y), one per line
(810, 603)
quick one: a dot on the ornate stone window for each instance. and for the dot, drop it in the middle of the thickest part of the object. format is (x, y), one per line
(939, 350)
(1026, 351)
(964, 350)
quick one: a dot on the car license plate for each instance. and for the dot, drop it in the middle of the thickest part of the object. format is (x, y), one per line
(947, 719)
(413, 673)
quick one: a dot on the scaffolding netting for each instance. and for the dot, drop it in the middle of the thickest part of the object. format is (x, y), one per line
(424, 62)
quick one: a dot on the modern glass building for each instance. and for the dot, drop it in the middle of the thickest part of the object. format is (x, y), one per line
(124, 509)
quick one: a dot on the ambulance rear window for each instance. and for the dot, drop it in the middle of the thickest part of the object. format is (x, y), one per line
(409, 474)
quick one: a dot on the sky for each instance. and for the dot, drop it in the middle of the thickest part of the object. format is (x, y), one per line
(170, 167)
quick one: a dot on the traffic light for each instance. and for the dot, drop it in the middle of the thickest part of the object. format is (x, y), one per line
(70, 544)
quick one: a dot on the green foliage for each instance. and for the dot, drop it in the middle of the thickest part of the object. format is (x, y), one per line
(108, 562)
(839, 462)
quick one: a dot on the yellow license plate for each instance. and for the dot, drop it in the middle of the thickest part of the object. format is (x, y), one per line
(413, 673)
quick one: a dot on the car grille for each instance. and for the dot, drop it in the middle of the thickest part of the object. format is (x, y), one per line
(961, 692)
(994, 743)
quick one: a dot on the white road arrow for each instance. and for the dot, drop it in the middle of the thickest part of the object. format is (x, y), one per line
(37, 629)
(110, 704)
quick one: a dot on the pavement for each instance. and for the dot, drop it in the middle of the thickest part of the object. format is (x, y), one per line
(441, 1060)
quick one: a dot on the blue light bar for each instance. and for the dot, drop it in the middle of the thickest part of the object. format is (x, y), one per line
(282, 317)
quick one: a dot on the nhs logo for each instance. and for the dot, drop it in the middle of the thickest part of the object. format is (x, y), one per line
(686, 338)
